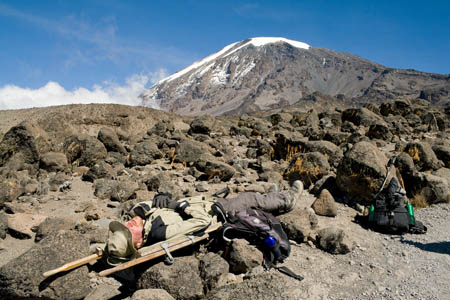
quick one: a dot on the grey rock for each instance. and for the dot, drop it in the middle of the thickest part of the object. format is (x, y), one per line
(163, 128)
(58, 179)
(335, 241)
(203, 125)
(22, 277)
(213, 268)
(362, 172)
(360, 116)
(143, 154)
(244, 257)
(124, 190)
(267, 286)
(442, 153)
(423, 156)
(26, 141)
(103, 292)
(101, 169)
(54, 162)
(10, 189)
(110, 139)
(84, 150)
(151, 294)
(380, 130)
(51, 226)
(325, 205)
(175, 279)
(330, 150)
(3, 225)
(214, 168)
(299, 224)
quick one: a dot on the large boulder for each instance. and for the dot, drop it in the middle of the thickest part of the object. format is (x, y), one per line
(84, 150)
(299, 224)
(442, 152)
(330, 150)
(423, 156)
(21, 225)
(203, 125)
(144, 153)
(116, 190)
(213, 268)
(54, 162)
(175, 279)
(362, 172)
(189, 152)
(22, 277)
(110, 139)
(24, 143)
(307, 167)
(429, 189)
(10, 189)
(244, 257)
(380, 130)
(51, 225)
(163, 128)
(361, 116)
(101, 169)
(287, 144)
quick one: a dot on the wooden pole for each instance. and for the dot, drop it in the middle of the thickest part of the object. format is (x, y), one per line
(74, 264)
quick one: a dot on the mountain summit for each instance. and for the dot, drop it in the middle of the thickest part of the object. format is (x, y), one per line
(266, 72)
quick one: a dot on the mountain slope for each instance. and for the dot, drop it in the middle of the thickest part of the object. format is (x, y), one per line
(263, 73)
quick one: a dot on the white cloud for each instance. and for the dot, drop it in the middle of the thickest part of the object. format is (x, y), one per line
(15, 97)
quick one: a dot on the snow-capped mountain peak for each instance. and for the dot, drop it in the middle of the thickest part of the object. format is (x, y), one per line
(269, 72)
(228, 50)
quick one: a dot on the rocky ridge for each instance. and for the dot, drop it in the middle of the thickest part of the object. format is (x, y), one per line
(61, 185)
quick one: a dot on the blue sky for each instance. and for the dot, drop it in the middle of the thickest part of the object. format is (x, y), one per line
(61, 51)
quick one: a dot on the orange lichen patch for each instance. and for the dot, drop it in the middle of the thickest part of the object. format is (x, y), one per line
(215, 173)
(128, 159)
(271, 153)
(292, 150)
(414, 153)
(310, 174)
(172, 157)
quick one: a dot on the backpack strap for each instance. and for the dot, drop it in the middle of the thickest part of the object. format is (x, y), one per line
(418, 228)
(285, 270)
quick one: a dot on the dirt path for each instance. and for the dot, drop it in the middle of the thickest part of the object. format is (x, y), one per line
(381, 266)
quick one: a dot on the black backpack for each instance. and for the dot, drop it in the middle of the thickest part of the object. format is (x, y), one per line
(261, 229)
(392, 213)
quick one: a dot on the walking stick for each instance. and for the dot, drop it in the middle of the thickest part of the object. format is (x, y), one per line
(74, 264)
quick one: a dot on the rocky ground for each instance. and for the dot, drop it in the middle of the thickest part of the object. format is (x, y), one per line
(60, 188)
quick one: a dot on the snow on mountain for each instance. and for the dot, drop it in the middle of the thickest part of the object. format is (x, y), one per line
(269, 72)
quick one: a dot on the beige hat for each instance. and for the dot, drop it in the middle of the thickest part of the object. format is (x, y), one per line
(120, 247)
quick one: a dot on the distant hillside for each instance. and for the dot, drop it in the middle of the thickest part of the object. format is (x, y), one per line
(262, 73)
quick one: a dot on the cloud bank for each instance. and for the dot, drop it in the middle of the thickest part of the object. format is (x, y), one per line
(15, 97)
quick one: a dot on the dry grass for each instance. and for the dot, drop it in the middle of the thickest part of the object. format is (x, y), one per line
(419, 201)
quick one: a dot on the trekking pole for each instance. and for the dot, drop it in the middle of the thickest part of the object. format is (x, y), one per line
(390, 166)
(77, 263)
